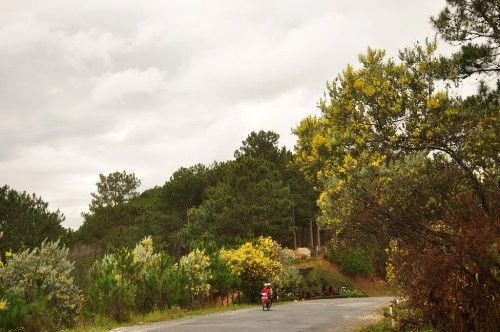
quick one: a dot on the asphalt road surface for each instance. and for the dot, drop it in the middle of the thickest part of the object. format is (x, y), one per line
(343, 314)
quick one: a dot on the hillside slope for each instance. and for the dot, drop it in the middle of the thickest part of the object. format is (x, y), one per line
(319, 272)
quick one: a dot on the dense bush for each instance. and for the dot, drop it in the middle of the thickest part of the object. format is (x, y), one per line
(351, 261)
(135, 280)
(38, 292)
(318, 281)
(290, 278)
(113, 289)
(13, 313)
(197, 264)
(141, 280)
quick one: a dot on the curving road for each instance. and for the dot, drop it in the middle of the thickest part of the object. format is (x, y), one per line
(315, 315)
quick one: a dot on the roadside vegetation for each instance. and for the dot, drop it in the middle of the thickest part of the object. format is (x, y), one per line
(318, 274)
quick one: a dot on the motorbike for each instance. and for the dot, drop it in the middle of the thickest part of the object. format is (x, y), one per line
(266, 301)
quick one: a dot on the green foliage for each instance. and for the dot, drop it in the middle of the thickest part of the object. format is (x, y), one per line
(168, 282)
(125, 224)
(138, 280)
(114, 285)
(26, 221)
(351, 261)
(251, 201)
(251, 196)
(290, 277)
(114, 189)
(224, 280)
(345, 292)
(40, 292)
(118, 216)
(13, 313)
(473, 24)
(263, 145)
(184, 190)
(232, 202)
(315, 278)
(28, 316)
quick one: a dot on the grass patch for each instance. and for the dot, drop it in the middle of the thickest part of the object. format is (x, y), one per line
(384, 325)
(407, 321)
(100, 324)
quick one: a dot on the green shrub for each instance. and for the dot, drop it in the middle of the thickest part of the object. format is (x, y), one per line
(39, 290)
(13, 312)
(355, 263)
(351, 261)
(112, 292)
(316, 279)
(197, 265)
(136, 280)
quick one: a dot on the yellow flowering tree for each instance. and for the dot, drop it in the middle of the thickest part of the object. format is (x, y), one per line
(197, 264)
(397, 154)
(255, 264)
(144, 255)
(154, 272)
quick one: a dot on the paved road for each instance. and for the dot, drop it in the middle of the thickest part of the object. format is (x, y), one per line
(314, 315)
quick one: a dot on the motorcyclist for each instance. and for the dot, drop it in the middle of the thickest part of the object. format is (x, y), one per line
(269, 291)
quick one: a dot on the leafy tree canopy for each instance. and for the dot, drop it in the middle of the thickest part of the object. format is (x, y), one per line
(251, 196)
(403, 163)
(26, 221)
(475, 25)
(386, 110)
(114, 189)
(263, 145)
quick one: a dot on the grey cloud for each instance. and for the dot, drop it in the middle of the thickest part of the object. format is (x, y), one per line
(127, 86)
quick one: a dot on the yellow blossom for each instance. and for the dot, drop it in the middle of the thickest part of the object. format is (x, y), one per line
(4, 305)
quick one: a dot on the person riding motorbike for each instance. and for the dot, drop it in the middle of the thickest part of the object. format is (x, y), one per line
(269, 291)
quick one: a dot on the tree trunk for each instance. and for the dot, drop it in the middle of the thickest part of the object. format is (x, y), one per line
(311, 235)
(294, 229)
(318, 241)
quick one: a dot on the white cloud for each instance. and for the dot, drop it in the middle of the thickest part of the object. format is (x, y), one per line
(84, 46)
(257, 64)
(115, 88)
(22, 32)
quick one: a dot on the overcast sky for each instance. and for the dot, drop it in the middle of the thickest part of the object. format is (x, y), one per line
(91, 87)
